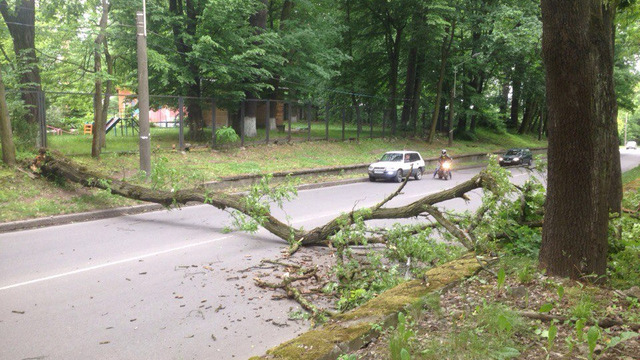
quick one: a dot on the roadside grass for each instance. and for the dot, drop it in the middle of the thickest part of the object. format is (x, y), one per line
(631, 179)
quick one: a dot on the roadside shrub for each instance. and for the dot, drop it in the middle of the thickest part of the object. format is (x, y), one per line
(226, 135)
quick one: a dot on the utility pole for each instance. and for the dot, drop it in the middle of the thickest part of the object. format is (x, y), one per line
(143, 96)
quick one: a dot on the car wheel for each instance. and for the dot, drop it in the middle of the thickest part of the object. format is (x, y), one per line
(372, 179)
(398, 177)
(529, 162)
(418, 174)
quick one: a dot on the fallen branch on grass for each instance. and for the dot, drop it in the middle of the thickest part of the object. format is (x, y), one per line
(604, 323)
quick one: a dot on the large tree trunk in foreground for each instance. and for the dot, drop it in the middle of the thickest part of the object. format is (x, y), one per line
(578, 56)
(61, 168)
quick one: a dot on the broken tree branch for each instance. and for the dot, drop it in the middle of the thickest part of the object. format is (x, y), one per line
(464, 238)
(58, 166)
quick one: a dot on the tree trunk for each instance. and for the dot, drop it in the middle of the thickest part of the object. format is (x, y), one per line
(529, 112)
(409, 86)
(393, 51)
(21, 25)
(108, 91)
(504, 101)
(444, 56)
(578, 57)
(259, 23)
(417, 91)
(6, 135)
(515, 97)
(99, 121)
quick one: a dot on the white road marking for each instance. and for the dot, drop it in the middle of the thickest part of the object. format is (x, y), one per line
(78, 271)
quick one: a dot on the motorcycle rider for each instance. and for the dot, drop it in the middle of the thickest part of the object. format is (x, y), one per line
(441, 160)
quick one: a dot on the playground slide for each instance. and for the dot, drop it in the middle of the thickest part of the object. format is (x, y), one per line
(112, 123)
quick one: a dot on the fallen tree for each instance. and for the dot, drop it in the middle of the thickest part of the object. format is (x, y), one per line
(57, 166)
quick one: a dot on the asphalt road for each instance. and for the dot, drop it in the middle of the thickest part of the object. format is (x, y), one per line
(167, 284)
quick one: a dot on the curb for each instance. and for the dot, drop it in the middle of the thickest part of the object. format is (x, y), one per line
(350, 331)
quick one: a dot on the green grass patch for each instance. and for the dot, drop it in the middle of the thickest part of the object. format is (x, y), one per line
(631, 178)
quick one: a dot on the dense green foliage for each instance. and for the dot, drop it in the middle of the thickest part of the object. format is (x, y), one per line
(391, 57)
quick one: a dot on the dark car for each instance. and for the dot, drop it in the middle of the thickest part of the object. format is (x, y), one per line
(516, 157)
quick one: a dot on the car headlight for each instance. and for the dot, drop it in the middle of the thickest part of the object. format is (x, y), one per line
(516, 159)
(370, 167)
(500, 159)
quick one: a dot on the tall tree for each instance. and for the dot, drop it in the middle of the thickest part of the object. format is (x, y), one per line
(184, 25)
(20, 21)
(99, 115)
(6, 135)
(444, 56)
(577, 45)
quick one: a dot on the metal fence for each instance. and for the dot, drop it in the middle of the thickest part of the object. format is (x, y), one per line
(64, 121)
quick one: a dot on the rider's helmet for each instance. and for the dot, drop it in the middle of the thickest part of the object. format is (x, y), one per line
(444, 152)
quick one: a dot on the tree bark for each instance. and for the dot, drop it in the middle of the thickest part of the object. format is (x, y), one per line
(99, 121)
(21, 24)
(259, 23)
(578, 57)
(409, 86)
(529, 112)
(6, 135)
(108, 91)
(393, 51)
(444, 56)
(516, 83)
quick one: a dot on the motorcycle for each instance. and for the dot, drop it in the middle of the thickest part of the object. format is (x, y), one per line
(444, 172)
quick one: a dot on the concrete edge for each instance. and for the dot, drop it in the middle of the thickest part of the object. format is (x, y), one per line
(350, 331)
(226, 183)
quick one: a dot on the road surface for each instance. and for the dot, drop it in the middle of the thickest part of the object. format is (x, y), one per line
(167, 284)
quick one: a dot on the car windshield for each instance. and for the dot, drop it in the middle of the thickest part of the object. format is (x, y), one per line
(391, 157)
(513, 152)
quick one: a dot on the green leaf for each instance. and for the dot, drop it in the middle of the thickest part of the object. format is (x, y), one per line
(507, 353)
(504, 324)
(553, 331)
(546, 308)
(592, 339)
(501, 278)
(404, 354)
(560, 291)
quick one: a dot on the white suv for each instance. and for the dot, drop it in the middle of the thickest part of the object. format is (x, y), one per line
(631, 145)
(396, 165)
